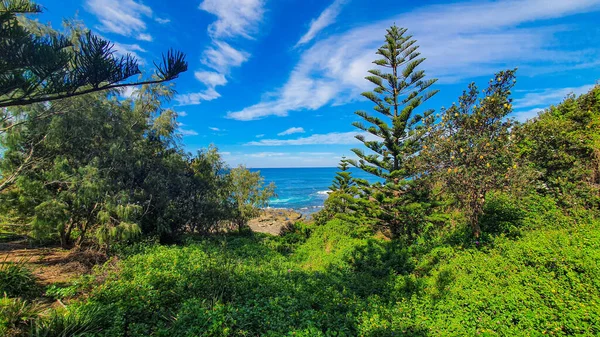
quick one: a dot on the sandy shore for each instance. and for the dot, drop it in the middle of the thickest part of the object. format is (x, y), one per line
(273, 220)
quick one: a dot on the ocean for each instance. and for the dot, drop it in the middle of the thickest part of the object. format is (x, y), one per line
(303, 189)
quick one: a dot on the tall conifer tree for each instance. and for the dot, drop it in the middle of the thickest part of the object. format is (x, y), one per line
(400, 88)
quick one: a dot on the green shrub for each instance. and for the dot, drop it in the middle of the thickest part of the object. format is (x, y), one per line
(16, 315)
(69, 323)
(16, 280)
(502, 215)
(344, 282)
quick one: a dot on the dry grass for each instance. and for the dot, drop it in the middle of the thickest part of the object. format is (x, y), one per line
(51, 264)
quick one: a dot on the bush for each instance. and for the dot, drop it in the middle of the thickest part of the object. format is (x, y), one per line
(16, 280)
(68, 323)
(501, 215)
(343, 281)
(16, 315)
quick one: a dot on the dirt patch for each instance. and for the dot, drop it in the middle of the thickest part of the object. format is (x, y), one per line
(272, 221)
(51, 264)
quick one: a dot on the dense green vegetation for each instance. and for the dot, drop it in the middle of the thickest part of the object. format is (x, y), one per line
(479, 225)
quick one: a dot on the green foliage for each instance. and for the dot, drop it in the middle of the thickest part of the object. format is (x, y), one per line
(249, 194)
(341, 198)
(39, 64)
(16, 280)
(69, 323)
(562, 144)
(469, 151)
(113, 171)
(16, 315)
(342, 281)
(501, 215)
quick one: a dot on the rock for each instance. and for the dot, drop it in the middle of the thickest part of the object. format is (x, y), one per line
(272, 221)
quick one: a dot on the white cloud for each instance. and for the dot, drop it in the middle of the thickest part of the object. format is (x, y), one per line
(291, 131)
(266, 154)
(283, 159)
(128, 92)
(547, 97)
(523, 116)
(234, 17)
(182, 113)
(214, 129)
(145, 37)
(131, 49)
(162, 21)
(459, 40)
(260, 135)
(187, 132)
(123, 17)
(222, 57)
(210, 79)
(316, 139)
(197, 97)
(327, 17)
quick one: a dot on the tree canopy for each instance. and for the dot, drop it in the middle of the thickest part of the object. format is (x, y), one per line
(40, 65)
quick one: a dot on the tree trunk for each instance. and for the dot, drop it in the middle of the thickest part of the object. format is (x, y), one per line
(65, 236)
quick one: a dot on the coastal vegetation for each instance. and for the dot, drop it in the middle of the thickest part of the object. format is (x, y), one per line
(476, 224)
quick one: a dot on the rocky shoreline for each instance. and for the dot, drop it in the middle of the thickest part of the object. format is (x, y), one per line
(272, 221)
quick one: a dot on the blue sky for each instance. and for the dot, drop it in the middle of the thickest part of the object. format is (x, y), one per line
(275, 83)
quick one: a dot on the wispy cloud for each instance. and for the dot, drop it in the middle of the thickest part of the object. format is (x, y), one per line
(222, 57)
(122, 49)
(327, 17)
(128, 92)
(316, 139)
(283, 159)
(260, 135)
(546, 97)
(235, 19)
(523, 116)
(187, 132)
(460, 40)
(213, 128)
(123, 17)
(197, 97)
(162, 21)
(210, 79)
(536, 101)
(291, 131)
(145, 37)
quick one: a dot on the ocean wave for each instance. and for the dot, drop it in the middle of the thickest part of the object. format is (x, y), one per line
(324, 192)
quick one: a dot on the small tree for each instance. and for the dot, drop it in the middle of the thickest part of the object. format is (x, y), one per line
(249, 194)
(38, 65)
(469, 150)
(341, 196)
(343, 181)
(399, 90)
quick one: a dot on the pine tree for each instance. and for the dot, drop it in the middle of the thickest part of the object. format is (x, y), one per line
(393, 134)
(43, 67)
(343, 181)
(342, 194)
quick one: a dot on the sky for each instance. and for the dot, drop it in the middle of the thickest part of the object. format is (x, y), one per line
(275, 83)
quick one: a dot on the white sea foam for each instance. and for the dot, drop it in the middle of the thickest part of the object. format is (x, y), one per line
(324, 192)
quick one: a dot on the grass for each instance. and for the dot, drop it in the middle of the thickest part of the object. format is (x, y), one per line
(16, 280)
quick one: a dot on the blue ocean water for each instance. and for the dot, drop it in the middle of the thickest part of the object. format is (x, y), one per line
(303, 189)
